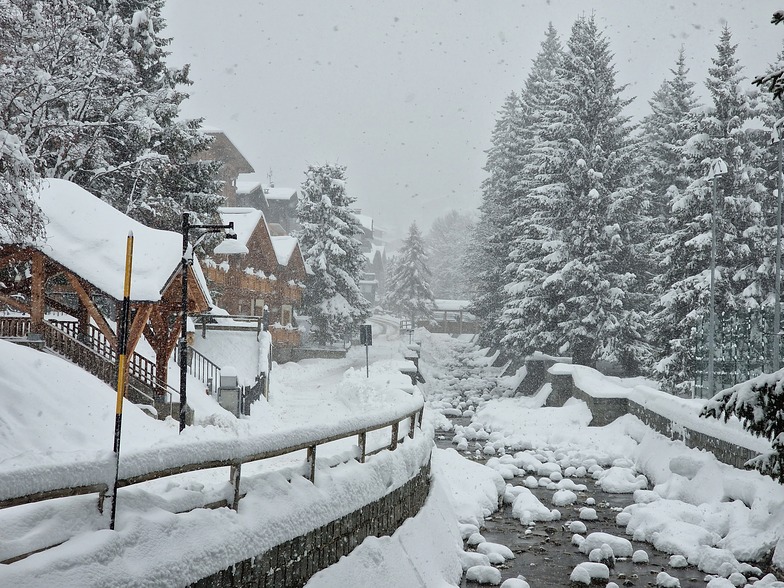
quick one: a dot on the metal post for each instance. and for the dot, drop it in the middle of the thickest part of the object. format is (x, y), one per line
(712, 320)
(777, 304)
(718, 168)
(187, 259)
(184, 331)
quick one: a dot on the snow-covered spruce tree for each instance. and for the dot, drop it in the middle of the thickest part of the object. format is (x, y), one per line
(759, 404)
(531, 315)
(665, 132)
(166, 179)
(721, 131)
(20, 217)
(447, 243)
(82, 91)
(763, 237)
(408, 287)
(592, 167)
(329, 239)
(487, 258)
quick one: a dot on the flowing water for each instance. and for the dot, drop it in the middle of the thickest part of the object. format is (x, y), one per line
(544, 554)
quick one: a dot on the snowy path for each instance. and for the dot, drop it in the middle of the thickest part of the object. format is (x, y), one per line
(40, 428)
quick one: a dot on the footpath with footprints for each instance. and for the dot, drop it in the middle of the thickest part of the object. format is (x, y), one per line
(556, 526)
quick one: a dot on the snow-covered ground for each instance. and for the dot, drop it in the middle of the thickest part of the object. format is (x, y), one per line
(60, 419)
(685, 502)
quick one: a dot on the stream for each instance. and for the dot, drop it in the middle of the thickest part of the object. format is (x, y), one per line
(544, 553)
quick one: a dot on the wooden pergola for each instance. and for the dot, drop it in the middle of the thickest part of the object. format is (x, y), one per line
(58, 275)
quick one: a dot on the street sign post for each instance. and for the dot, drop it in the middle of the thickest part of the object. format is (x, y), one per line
(366, 339)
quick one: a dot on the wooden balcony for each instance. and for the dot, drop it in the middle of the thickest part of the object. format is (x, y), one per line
(284, 337)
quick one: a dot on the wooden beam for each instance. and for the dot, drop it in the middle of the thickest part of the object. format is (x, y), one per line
(89, 306)
(8, 255)
(137, 327)
(14, 303)
(60, 307)
(155, 329)
(37, 301)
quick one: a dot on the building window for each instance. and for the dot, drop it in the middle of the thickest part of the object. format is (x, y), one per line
(258, 307)
(285, 314)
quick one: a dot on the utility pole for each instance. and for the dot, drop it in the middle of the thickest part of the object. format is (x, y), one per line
(717, 169)
(776, 138)
(187, 259)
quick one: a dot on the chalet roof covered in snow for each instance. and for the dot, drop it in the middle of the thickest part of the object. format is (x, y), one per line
(284, 246)
(245, 221)
(365, 220)
(273, 193)
(88, 236)
(450, 305)
(375, 251)
(247, 186)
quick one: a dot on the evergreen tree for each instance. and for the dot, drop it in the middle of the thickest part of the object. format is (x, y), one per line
(86, 91)
(408, 287)
(763, 238)
(589, 288)
(721, 131)
(665, 132)
(488, 257)
(759, 403)
(166, 179)
(331, 247)
(20, 217)
(530, 316)
(448, 241)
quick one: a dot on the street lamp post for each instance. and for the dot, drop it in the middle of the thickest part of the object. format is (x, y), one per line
(776, 138)
(187, 259)
(717, 169)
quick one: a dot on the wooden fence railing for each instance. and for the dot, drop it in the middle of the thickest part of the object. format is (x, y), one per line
(86, 349)
(92, 476)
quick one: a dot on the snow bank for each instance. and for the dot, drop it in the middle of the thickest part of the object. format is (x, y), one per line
(422, 552)
(473, 489)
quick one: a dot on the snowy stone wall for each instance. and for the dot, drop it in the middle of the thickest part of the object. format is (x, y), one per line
(292, 563)
(605, 409)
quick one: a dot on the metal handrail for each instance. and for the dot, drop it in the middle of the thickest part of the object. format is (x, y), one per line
(201, 368)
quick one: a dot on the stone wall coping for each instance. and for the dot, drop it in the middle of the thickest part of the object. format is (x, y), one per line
(683, 411)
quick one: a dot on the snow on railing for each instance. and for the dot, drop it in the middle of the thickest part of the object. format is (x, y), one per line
(39, 482)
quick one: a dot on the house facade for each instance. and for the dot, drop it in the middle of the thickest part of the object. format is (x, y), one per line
(233, 163)
(263, 269)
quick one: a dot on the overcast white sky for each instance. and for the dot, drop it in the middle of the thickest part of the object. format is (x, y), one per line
(405, 93)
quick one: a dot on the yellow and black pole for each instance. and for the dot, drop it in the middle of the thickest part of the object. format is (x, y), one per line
(122, 367)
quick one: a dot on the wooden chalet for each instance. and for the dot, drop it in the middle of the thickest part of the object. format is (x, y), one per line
(264, 267)
(78, 270)
(233, 163)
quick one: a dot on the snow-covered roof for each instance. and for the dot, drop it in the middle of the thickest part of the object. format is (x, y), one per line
(284, 246)
(245, 221)
(365, 220)
(375, 251)
(450, 305)
(247, 186)
(88, 236)
(279, 193)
